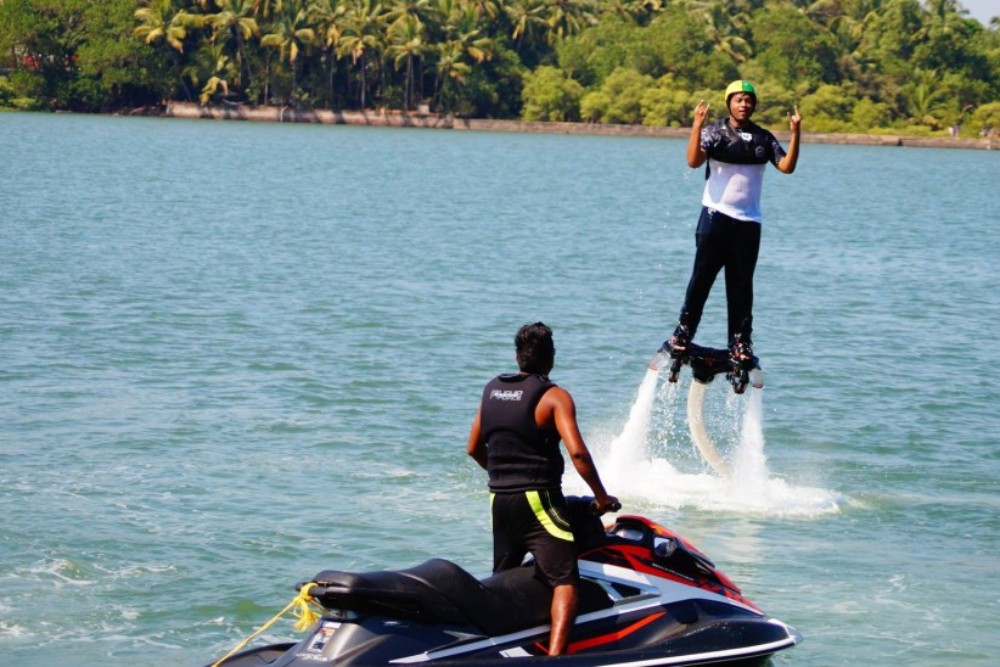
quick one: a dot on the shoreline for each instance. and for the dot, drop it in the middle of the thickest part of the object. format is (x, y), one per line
(384, 118)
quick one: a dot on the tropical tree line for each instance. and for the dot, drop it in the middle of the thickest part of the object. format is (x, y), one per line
(850, 65)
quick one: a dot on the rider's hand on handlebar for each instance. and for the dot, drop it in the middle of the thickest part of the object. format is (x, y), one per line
(606, 504)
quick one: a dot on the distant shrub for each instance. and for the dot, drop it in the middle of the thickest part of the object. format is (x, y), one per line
(6, 93)
(665, 104)
(868, 115)
(986, 119)
(549, 95)
(829, 106)
(619, 99)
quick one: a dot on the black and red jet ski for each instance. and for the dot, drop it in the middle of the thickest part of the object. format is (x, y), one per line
(647, 597)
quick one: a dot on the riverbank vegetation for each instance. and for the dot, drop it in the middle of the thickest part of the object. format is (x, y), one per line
(851, 65)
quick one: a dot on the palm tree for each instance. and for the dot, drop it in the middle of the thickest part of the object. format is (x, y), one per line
(825, 12)
(363, 37)
(406, 38)
(406, 44)
(328, 17)
(463, 41)
(485, 8)
(925, 97)
(234, 20)
(291, 35)
(565, 18)
(402, 10)
(161, 22)
(725, 30)
(266, 7)
(726, 25)
(212, 66)
(526, 17)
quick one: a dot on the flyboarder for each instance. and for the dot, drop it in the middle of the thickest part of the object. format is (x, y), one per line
(736, 151)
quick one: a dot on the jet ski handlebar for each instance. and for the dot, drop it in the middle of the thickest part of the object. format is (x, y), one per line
(591, 503)
(613, 507)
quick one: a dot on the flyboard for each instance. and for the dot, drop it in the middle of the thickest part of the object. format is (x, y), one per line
(706, 363)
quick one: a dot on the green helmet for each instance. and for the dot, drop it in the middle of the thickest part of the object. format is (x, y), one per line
(741, 86)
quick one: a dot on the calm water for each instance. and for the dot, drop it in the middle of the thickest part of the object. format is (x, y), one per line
(232, 355)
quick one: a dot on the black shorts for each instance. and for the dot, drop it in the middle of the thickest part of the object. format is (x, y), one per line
(535, 522)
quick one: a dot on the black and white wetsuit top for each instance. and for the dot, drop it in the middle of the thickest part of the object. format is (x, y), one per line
(735, 168)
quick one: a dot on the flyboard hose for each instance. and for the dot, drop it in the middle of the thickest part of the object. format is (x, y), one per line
(696, 419)
(696, 424)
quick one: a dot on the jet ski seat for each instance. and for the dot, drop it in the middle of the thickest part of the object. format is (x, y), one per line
(439, 591)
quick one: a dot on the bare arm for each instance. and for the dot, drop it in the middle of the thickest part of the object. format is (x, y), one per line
(557, 407)
(696, 155)
(475, 447)
(787, 164)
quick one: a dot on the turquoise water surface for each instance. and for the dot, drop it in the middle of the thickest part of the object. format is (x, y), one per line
(235, 354)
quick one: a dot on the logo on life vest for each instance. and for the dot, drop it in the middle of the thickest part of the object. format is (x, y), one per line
(507, 395)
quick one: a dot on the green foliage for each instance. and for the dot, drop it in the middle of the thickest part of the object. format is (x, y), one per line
(28, 89)
(493, 90)
(851, 65)
(986, 119)
(7, 93)
(685, 53)
(549, 95)
(925, 98)
(112, 69)
(666, 104)
(828, 109)
(618, 100)
(948, 42)
(790, 48)
(594, 105)
(615, 42)
(774, 103)
(868, 115)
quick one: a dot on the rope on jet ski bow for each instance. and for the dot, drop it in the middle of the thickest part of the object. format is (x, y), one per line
(302, 605)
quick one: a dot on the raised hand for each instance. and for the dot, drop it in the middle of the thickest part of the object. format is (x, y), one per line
(700, 113)
(794, 119)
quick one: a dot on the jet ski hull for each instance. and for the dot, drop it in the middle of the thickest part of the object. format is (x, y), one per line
(647, 598)
(732, 643)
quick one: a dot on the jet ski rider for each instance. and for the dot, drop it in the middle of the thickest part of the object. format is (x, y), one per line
(515, 438)
(737, 151)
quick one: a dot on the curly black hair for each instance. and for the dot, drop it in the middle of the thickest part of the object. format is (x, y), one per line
(535, 349)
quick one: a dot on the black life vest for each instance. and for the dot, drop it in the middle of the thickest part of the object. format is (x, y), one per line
(751, 145)
(520, 456)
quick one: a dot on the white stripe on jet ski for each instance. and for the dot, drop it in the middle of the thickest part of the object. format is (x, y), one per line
(656, 595)
(667, 590)
(696, 658)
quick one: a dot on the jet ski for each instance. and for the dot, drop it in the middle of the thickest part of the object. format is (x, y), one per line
(647, 597)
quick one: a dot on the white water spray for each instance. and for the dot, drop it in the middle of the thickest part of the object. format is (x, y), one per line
(740, 480)
(630, 449)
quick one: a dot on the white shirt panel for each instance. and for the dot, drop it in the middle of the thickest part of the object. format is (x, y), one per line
(734, 189)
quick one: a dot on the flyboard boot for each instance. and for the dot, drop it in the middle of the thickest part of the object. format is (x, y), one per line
(737, 362)
(675, 349)
(743, 364)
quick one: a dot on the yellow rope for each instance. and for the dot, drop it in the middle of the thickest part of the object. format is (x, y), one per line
(304, 612)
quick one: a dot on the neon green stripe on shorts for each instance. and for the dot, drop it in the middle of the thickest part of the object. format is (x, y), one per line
(538, 507)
